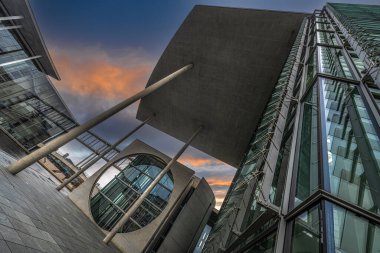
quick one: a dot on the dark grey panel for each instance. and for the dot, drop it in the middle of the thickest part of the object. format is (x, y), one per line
(237, 55)
(188, 226)
(30, 35)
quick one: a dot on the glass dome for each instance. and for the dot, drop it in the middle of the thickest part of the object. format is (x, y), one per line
(113, 194)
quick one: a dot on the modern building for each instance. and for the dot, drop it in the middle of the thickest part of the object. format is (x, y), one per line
(31, 110)
(171, 218)
(318, 191)
(291, 100)
(35, 217)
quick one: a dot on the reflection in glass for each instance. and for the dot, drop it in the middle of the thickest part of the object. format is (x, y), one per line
(307, 175)
(30, 110)
(326, 38)
(266, 245)
(110, 202)
(346, 120)
(306, 232)
(324, 26)
(311, 68)
(354, 234)
(333, 62)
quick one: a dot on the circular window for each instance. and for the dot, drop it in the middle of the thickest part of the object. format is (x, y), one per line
(122, 183)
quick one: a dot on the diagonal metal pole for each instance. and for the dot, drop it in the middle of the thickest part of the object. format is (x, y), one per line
(142, 197)
(100, 156)
(58, 142)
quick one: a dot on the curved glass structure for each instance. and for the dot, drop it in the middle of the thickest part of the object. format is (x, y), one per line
(109, 203)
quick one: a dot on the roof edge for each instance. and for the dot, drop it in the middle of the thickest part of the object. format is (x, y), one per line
(30, 34)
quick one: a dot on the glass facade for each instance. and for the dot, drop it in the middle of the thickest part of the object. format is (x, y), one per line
(30, 109)
(251, 169)
(325, 191)
(109, 203)
(306, 231)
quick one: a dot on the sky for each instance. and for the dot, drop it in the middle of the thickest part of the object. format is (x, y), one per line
(105, 51)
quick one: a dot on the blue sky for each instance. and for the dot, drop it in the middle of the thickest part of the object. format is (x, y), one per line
(105, 52)
(149, 24)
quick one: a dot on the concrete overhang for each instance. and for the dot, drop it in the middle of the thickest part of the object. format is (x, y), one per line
(29, 34)
(238, 55)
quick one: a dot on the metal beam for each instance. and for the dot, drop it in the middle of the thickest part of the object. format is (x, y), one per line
(2, 28)
(146, 193)
(11, 18)
(18, 61)
(33, 157)
(100, 156)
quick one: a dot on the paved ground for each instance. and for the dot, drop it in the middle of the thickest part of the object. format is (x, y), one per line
(34, 217)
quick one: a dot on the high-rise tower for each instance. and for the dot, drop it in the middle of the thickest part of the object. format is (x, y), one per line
(310, 179)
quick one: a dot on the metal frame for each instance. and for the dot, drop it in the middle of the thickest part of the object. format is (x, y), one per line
(11, 18)
(20, 60)
(322, 196)
(354, 44)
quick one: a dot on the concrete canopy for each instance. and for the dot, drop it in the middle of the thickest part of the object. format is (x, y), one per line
(238, 55)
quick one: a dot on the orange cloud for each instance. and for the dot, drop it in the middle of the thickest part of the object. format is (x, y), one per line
(95, 73)
(218, 202)
(197, 162)
(218, 182)
(219, 198)
(220, 194)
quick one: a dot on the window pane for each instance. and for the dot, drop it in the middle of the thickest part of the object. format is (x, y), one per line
(311, 68)
(306, 232)
(109, 203)
(265, 246)
(326, 38)
(334, 63)
(353, 146)
(307, 175)
(354, 234)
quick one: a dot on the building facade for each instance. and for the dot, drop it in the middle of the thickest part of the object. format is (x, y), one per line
(291, 100)
(170, 219)
(310, 179)
(31, 110)
(36, 216)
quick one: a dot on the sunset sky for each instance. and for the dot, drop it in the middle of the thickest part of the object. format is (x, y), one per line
(105, 50)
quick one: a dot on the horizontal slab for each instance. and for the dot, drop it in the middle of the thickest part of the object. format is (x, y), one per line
(238, 55)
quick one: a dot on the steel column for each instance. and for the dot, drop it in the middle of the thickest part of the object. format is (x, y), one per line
(10, 18)
(93, 161)
(141, 199)
(18, 61)
(28, 160)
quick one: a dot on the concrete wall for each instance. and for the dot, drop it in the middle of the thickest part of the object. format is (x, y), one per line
(188, 226)
(238, 55)
(138, 241)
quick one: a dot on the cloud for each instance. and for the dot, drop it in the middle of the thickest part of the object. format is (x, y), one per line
(198, 161)
(94, 79)
(219, 197)
(94, 72)
(218, 174)
(218, 182)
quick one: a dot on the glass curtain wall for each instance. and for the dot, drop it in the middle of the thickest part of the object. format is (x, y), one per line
(363, 23)
(111, 202)
(334, 185)
(339, 144)
(30, 109)
(250, 171)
